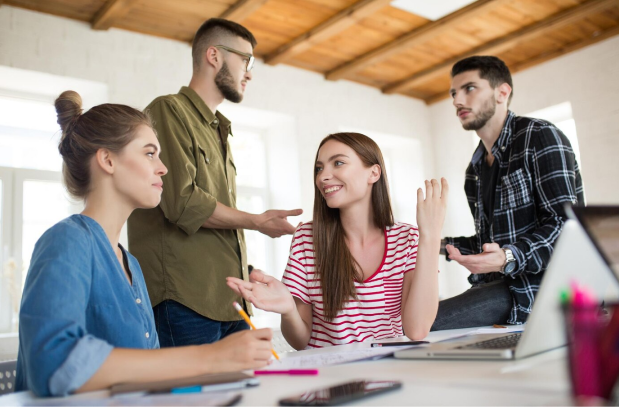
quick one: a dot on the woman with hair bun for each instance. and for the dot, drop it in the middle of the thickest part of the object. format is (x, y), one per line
(86, 321)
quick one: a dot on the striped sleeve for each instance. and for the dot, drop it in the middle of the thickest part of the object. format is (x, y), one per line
(296, 275)
(413, 243)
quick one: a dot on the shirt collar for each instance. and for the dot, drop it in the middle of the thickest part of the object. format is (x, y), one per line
(504, 140)
(216, 119)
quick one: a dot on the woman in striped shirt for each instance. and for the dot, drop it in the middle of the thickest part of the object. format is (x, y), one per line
(353, 273)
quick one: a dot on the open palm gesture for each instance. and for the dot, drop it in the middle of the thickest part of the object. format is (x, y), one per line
(264, 292)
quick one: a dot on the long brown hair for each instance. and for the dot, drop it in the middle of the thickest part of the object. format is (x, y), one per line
(108, 126)
(335, 266)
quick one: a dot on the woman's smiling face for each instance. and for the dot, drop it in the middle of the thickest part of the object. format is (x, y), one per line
(341, 176)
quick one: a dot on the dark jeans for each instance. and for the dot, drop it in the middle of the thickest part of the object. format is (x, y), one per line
(482, 305)
(178, 325)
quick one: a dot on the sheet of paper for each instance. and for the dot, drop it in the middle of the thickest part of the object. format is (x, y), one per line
(311, 359)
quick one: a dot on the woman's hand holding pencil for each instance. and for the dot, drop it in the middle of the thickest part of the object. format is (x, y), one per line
(240, 351)
(246, 318)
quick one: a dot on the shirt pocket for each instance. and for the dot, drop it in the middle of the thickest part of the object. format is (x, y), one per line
(204, 168)
(232, 167)
(515, 190)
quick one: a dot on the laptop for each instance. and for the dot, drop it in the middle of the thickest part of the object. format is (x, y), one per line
(601, 223)
(575, 258)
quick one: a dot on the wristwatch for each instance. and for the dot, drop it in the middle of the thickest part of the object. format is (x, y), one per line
(510, 262)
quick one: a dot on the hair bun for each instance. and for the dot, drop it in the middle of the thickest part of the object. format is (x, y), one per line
(68, 108)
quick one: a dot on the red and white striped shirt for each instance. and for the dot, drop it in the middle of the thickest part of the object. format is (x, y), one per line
(377, 312)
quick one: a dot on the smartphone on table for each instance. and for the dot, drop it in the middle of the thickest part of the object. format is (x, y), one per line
(341, 393)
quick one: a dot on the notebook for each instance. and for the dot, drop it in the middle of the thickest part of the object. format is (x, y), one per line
(223, 381)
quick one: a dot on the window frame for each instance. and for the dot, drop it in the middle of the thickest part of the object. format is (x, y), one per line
(13, 180)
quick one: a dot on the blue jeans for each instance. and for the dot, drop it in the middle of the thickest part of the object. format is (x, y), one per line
(178, 325)
(482, 305)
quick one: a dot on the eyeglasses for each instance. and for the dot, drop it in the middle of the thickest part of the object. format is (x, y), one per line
(249, 64)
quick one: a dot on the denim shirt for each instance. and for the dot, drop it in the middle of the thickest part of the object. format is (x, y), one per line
(76, 307)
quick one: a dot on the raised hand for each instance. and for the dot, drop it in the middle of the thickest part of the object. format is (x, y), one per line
(264, 292)
(240, 351)
(431, 210)
(274, 223)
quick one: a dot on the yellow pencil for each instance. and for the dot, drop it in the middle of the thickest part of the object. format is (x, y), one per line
(246, 318)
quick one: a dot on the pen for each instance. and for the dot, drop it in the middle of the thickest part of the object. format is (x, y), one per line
(292, 372)
(214, 387)
(246, 318)
(382, 344)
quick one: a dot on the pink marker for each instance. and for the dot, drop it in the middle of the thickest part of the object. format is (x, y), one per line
(292, 372)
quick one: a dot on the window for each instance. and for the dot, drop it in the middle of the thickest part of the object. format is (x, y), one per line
(561, 116)
(32, 196)
(267, 159)
(250, 159)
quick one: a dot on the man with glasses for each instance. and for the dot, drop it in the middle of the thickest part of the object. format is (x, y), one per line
(193, 240)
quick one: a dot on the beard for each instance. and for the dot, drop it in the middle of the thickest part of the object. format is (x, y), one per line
(227, 87)
(485, 113)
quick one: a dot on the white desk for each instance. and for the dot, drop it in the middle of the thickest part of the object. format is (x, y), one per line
(537, 380)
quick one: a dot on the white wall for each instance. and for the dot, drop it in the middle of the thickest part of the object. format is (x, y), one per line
(137, 68)
(300, 106)
(588, 79)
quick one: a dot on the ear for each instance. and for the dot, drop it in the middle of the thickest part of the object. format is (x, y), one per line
(212, 57)
(104, 159)
(375, 174)
(503, 92)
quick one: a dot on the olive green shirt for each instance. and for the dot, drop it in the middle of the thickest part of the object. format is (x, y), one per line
(181, 260)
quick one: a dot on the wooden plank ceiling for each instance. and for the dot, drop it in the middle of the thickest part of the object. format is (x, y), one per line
(368, 41)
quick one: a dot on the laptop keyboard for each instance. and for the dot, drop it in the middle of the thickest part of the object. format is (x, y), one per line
(504, 342)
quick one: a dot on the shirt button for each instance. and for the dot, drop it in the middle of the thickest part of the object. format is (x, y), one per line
(147, 335)
(230, 190)
(216, 121)
(476, 204)
(139, 301)
(476, 177)
(503, 148)
(208, 160)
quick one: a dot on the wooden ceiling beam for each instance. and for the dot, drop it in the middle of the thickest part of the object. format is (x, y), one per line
(326, 30)
(520, 66)
(547, 56)
(415, 37)
(242, 9)
(502, 44)
(110, 13)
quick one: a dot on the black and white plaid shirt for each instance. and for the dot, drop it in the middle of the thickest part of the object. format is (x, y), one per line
(538, 174)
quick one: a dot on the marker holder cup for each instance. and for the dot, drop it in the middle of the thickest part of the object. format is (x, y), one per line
(593, 349)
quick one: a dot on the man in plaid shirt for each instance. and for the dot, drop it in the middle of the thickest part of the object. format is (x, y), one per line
(516, 194)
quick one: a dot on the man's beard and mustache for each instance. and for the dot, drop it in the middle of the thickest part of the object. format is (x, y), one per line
(485, 113)
(227, 87)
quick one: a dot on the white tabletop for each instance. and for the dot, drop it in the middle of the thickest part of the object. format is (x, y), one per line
(537, 380)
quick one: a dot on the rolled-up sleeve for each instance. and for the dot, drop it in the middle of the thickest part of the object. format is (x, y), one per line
(466, 244)
(83, 361)
(183, 202)
(58, 354)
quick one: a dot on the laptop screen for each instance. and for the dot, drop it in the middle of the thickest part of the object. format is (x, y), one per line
(602, 225)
